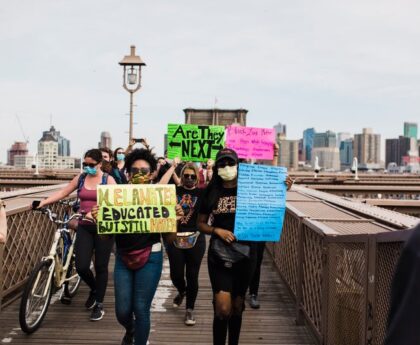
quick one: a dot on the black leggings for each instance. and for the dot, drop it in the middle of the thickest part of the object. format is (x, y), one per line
(87, 243)
(185, 263)
(255, 280)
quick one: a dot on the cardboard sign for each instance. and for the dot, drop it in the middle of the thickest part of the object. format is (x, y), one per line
(195, 143)
(251, 142)
(136, 209)
(260, 203)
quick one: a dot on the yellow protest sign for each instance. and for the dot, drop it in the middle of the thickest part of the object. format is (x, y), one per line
(136, 209)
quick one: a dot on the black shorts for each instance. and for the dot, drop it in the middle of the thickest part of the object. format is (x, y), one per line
(234, 279)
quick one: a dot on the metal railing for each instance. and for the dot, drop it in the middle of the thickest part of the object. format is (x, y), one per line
(338, 266)
(29, 237)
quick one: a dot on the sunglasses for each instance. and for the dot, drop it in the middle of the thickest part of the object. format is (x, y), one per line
(190, 176)
(226, 163)
(143, 171)
(90, 165)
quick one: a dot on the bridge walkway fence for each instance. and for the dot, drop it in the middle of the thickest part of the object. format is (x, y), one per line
(30, 235)
(337, 258)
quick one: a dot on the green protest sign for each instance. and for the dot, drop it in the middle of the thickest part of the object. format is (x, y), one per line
(195, 143)
(136, 209)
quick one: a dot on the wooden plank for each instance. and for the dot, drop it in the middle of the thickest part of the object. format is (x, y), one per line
(273, 324)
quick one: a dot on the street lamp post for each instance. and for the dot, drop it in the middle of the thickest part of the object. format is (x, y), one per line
(132, 80)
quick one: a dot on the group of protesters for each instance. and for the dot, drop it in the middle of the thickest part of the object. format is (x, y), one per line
(206, 205)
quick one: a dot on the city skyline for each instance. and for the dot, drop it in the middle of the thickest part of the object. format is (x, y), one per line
(330, 66)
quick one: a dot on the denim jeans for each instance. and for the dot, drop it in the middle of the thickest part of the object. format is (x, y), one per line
(134, 291)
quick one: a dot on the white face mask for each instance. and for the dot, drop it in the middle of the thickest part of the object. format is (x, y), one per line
(228, 173)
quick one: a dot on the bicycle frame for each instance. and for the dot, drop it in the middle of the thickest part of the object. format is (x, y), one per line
(60, 271)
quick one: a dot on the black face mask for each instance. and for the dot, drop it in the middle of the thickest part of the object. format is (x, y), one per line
(189, 183)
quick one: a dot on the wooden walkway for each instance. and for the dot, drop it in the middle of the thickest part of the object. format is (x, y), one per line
(69, 325)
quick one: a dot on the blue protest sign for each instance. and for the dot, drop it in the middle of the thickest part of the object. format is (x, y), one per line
(260, 203)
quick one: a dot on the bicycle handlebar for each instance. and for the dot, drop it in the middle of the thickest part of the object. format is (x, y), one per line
(53, 216)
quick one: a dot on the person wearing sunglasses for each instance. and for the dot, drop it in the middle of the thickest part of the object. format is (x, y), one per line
(185, 262)
(88, 242)
(135, 287)
(229, 274)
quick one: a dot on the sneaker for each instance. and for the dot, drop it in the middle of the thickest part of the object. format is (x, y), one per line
(253, 302)
(91, 301)
(189, 318)
(128, 338)
(178, 300)
(97, 312)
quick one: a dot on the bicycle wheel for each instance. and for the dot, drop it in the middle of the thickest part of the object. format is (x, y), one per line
(72, 284)
(36, 298)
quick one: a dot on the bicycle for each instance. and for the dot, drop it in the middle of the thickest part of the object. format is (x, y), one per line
(54, 272)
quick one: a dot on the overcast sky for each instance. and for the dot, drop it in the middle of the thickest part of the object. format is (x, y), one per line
(339, 65)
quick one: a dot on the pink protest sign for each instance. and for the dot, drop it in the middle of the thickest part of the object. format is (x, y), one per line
(251, 142)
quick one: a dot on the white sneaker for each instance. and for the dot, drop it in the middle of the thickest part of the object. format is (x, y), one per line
(189, 318)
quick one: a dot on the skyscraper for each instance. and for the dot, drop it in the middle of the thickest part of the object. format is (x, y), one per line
(63, 148)
(327, 139)
(346, 153)
(308, 143)
(17, 149)
(281, 130)
(106, 140)
(288, 153)
(367, 147)
(396, 149)
(328, 157)
(342, 136)
(410, 130)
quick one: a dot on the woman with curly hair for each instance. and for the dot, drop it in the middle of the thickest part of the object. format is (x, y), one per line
(135, 285)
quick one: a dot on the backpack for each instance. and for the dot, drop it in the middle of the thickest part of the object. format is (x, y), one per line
(80, 184)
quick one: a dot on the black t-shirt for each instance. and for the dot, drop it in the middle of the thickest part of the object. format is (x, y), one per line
(128, 243)
(221, 203)
(190, 201)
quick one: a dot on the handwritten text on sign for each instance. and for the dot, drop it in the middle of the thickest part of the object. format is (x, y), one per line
(136, 209)
(261, 202)
(194, 142)
(250, 142)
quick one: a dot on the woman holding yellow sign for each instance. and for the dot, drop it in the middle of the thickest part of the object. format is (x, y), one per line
(136, 216)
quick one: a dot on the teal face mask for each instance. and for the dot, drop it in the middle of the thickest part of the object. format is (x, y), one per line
(120, 156)
(90, 171)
